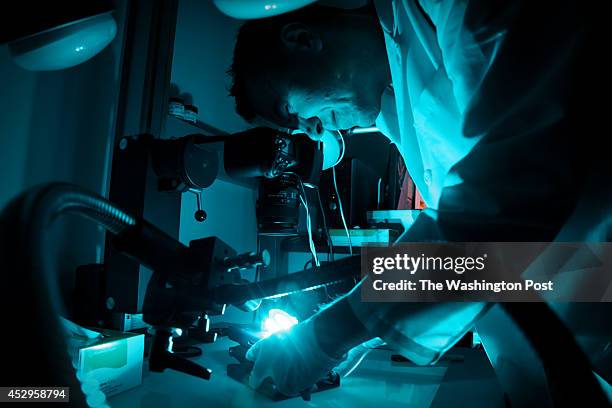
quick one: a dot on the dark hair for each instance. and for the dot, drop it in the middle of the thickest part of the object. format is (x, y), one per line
(259, 48)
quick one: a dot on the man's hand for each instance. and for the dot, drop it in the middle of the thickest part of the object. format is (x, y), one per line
(292, 359)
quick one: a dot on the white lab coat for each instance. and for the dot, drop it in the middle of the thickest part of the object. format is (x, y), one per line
(435, 72)
(482, 110)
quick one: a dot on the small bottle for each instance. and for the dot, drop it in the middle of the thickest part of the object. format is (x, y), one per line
(191, 113)
(176, 107)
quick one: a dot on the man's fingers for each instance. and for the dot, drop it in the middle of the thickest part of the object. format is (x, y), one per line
(253, 352)
(260, 372)
(306, 394)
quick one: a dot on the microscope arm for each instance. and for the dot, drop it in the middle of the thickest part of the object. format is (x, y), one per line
(327, 274)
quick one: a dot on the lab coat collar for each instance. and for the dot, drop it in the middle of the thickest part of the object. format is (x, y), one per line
(386, 122)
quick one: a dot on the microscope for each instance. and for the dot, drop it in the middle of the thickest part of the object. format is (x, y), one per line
(206, 275)
(189, 283)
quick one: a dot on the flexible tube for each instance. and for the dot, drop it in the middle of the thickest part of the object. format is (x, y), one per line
(29, 294)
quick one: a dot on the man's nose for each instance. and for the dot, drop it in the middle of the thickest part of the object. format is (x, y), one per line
(312, 127)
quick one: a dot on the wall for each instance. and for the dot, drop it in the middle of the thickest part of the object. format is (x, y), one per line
(203, 48)
(57, 126)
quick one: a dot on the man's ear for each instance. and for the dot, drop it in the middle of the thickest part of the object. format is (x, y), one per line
(300, 37)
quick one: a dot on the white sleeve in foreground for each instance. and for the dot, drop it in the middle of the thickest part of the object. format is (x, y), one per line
(422, 332)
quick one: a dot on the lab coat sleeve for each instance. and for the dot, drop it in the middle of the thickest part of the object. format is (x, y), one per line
(522, 179)
(422, 332)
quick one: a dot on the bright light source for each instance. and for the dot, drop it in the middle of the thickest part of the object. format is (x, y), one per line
(79, 48)
(278, 320)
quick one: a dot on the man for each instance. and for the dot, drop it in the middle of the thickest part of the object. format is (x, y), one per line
(483, 104)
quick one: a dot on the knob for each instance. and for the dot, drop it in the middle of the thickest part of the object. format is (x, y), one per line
(200, 215)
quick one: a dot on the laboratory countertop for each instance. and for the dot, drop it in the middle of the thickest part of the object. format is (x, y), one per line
(467, 377)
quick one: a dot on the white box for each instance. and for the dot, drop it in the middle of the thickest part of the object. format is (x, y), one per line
(115, 360)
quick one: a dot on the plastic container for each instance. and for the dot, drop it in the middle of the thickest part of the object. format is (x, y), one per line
(191, 113)
(176, 107)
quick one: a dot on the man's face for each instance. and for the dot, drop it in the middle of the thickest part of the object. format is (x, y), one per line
(313, 97)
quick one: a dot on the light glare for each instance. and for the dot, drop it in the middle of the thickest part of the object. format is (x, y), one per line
(278, 320)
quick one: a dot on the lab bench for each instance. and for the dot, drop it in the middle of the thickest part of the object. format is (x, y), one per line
(466, 378)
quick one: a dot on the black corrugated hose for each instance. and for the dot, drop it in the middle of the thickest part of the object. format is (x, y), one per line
(33, 346)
